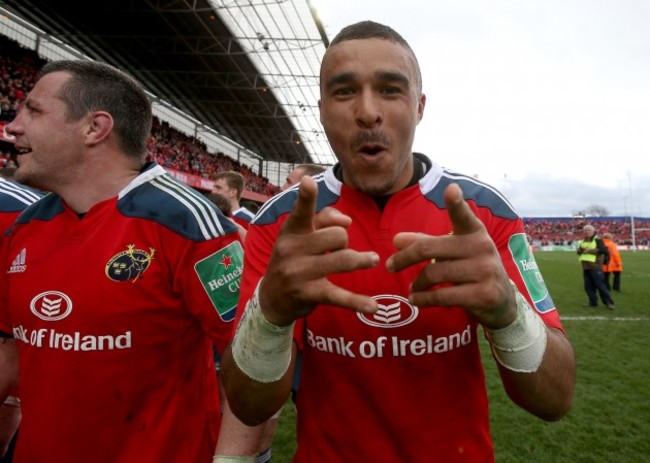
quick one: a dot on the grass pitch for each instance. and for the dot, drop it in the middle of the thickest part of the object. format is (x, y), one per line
(610, 418)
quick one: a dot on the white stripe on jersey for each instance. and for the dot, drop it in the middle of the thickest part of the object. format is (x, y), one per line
(457, 176)
(18, 192)
(319, 178)
(206, 217)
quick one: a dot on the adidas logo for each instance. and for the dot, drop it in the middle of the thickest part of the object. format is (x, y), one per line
(18, 265)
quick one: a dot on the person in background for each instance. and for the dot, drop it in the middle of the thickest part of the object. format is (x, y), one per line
(252, 206)
(299, 172)
(615, 264)
(225, 207)
(14, 198)
(117, 301)
(381, 271)
(231, 184)
(593, 254)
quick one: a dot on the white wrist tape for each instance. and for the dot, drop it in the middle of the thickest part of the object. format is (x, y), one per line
(12, 401)
(261, 349)
(234, 459)
(520, 346)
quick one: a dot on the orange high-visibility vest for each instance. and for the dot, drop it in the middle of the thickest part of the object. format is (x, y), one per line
(615, 262)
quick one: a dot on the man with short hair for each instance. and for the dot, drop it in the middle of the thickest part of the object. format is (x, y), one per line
(299, 172)
(231, 184)
(120, 294)
(593, 254)
(381, 271)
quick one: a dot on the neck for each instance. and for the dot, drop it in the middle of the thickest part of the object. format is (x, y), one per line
(96, 184)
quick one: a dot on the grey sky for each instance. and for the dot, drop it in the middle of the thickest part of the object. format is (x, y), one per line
(548, 100)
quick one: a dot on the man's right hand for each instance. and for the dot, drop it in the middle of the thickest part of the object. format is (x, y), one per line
(308, 248)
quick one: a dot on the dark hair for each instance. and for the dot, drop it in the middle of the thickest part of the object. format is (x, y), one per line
(96, 86)
(372, 30)
(221, 201)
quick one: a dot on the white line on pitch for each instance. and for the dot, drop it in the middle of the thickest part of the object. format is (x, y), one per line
(616, 319)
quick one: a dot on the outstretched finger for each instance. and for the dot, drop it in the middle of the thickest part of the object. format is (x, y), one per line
(463, 220)
(339, 297)
(301, 219)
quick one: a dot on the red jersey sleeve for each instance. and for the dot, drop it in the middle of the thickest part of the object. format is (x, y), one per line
(510, 239)
(210, 280)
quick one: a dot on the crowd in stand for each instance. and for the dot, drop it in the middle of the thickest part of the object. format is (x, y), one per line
(167, 146)
(566, 232)
(18, 70)
(173, 149)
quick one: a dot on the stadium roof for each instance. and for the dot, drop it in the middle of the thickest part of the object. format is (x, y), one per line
(247, 69)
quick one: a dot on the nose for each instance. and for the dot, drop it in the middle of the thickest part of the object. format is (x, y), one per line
(368, 109)
(13, 127)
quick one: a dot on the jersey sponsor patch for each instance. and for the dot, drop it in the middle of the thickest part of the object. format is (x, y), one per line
(51, 306)
(393, 311)
(523, 257)
(220, 275)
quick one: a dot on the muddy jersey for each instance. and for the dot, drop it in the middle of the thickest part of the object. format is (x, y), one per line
(406, 383)
(116, 314)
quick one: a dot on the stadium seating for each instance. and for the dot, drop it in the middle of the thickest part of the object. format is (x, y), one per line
(167, 146)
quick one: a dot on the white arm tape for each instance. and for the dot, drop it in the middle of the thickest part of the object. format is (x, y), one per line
(261, 350)
(520, 346)
(234, 459)
(12, 401)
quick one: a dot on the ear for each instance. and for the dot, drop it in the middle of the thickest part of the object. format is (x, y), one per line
(320, 111)
(421, 102)
(100, 126)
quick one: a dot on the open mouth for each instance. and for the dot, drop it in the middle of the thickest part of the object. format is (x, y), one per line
(22, 150)
(371, 150)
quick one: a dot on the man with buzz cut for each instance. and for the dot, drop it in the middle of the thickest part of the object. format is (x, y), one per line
(386, 271)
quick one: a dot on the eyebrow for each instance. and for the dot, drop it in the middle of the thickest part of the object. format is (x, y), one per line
(340, 79)
(29, 103)
(390, 76)
(384, 76)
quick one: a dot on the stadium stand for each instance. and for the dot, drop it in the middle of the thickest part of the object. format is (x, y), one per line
(178, 152)
(544, 232)
(167, 146)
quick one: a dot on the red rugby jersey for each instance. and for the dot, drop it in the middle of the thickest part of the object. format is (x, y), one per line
(116, 314)
(404, 384)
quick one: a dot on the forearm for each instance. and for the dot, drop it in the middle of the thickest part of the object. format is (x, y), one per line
(235, 438)
(254, 402)
(258, 365)
(8, 366)
(548, 392)
(10, 416)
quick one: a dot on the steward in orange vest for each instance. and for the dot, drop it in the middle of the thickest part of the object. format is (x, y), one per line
(615, 265)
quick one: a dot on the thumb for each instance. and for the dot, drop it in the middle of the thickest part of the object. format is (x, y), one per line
(463, 220)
